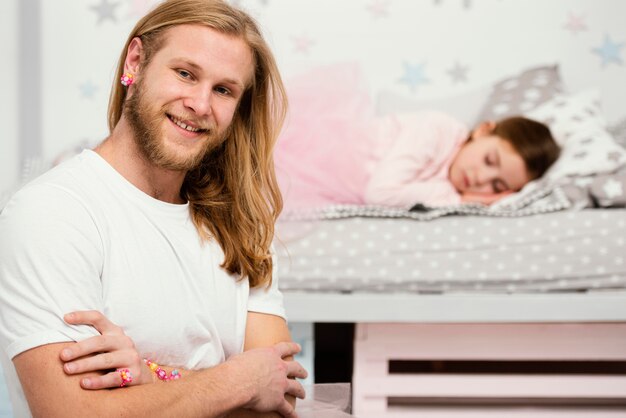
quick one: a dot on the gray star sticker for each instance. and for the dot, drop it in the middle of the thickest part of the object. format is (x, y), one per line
(458, 73)
(104, 10)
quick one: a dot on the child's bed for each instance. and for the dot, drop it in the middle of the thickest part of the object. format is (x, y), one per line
(569, 253)
(548, 287)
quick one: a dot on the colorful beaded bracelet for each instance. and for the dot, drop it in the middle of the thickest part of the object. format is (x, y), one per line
(162, 374)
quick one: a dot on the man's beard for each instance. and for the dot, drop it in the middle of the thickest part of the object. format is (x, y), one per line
(146, 124)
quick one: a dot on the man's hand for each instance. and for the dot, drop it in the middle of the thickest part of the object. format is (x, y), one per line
(111, 350)
(268, 376)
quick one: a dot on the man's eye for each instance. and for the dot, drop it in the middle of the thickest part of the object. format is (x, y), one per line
(222, 90)
(184, 74)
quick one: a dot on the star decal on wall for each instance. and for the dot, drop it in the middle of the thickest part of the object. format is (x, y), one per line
(378, 8)
(139, 8)
(609, 51)
(575, 23)
(302, 44)
(87, 89)
(467, 4)
(414, 75)
(105, 10)
(458, 73)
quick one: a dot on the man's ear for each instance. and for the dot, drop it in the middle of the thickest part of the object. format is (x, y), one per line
(134, 55)
(483, 129)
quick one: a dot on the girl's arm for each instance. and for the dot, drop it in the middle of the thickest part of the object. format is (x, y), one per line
(413, 170)
(484, 198)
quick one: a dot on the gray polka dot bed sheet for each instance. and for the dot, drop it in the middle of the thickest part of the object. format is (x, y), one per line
(565, 251)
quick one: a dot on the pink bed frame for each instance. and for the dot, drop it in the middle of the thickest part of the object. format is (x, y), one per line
(567, 327)
(378, 343)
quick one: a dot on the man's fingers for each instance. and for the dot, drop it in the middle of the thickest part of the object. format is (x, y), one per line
(95, 318)
(296, 389)
(286, 410)
(97, 344)
(109, 380)
(287, 348)
(295, 369)
(103, 361)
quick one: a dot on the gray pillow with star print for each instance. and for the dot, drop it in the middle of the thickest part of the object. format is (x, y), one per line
(618, 130)
(609, 190)
(521, 93)
(579, 127)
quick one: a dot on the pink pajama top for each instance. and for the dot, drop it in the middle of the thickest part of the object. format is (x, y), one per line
(415, 151)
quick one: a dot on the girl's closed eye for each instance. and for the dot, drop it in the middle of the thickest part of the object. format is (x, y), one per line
(498, 186)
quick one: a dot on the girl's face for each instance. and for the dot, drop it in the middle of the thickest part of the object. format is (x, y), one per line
(487, 164)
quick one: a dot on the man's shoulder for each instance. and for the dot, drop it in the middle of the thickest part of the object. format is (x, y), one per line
(67, 184)
(69, 173)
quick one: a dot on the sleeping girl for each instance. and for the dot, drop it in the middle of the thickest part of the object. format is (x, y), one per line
(404, 159)
(431, 158)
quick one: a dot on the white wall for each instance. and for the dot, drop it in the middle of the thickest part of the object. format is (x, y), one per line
(9, 152)
(491, 38)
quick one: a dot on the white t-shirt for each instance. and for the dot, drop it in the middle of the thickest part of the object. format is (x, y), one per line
(82, 237)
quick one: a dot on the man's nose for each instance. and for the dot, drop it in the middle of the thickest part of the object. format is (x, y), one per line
(199, 101)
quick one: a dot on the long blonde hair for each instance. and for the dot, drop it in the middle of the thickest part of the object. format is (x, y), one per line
(233, 194)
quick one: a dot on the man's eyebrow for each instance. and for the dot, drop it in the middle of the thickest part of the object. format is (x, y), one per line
(199, 69)
(189, 63)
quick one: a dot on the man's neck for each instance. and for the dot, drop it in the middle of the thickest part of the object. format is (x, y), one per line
(121, 151)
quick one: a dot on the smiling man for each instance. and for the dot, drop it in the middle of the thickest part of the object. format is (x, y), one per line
(166, 230)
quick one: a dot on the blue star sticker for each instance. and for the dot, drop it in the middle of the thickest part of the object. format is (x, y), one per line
(87, 90)
(609, 51)
(414, 75)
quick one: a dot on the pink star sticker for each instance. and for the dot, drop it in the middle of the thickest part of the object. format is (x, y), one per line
(378, 8)
(302, 44)
(575, 23)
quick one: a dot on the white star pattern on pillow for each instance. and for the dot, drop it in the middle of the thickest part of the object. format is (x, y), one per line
(613, 188)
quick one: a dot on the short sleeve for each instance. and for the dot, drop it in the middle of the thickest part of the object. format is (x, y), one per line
(268, 300)
(50, 263)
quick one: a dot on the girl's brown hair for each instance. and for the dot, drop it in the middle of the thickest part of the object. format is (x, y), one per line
(532, 140)
(233, 194)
